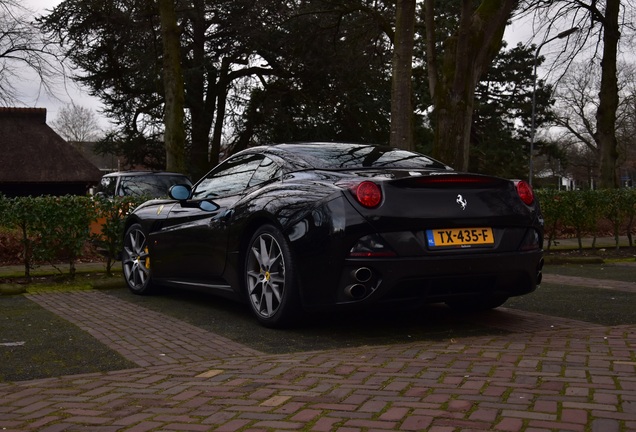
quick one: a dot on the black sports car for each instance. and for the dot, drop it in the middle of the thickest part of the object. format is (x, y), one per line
(299, 227)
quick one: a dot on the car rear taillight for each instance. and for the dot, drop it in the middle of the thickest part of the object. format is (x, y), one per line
(367, 194)
(525, 192)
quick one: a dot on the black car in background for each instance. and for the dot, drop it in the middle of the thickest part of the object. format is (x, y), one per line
(317, 226)
(151, 184)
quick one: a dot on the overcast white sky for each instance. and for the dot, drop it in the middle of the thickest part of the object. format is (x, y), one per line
(72, 94)
(65, 94)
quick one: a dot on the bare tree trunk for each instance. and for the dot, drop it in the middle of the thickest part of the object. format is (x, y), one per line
(401, 90)
(608, 99)
(220, 111)
(173, 88)
(453, 119)
(467, 54)
(199, 99)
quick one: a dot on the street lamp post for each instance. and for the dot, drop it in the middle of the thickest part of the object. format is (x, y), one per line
(561, 35)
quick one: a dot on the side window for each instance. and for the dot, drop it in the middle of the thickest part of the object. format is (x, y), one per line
(267, 170)
(229, 178)
(128, 186)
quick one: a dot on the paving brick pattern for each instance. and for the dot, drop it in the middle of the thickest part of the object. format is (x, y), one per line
(142, 336)
(550, 374)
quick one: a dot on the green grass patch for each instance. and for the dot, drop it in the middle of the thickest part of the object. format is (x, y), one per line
(35, 343)
(599, 306)
(611, 271)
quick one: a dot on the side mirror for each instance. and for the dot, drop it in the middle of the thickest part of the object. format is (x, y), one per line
(180, 192)
(208, 206)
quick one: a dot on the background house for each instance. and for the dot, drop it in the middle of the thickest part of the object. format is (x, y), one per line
(106, 163)
(35, 160)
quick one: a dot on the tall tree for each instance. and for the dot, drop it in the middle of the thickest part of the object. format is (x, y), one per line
(174, 96)
(118, 46)
(277, 70)
(453, 75)
(77, 124)
(578, 105)
(332, 63)
(402, 88)
(608, 101)
(601, 25)
(500, 130)
(118, 49)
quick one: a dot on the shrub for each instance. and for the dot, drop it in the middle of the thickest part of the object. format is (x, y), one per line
(582, 212)
(111, 214)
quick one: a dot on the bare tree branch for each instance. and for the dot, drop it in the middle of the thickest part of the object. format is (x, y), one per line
(77, 124)
(24, 47)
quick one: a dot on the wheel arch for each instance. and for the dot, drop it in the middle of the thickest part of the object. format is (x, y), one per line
(245, 233)
(274, 301)
(130, 221)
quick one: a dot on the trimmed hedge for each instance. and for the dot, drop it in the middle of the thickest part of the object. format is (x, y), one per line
(57, 228)
(584, 213)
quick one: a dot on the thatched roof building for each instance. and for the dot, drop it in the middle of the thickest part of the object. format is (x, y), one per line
(34, 160)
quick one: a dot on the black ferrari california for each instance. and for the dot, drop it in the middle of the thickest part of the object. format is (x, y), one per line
(302, 227)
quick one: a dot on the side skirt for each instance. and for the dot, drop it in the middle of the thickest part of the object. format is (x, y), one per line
(220, 289)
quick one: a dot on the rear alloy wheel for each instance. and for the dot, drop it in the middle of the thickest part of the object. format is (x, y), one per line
(136, 261)
(269, 281)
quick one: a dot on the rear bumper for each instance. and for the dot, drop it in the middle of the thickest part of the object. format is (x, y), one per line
(439, 278)
(330, 277)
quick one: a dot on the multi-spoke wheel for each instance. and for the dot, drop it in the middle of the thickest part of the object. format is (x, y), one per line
(136, 260)
(269, 281)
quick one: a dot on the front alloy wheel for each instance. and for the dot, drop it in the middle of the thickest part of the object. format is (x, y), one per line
(268, 278)
(136, 261)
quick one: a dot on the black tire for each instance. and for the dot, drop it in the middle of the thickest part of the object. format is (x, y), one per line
(477, 304)
(135, 261)
(270, 285)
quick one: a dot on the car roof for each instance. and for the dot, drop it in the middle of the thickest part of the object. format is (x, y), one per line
(300, 146)
(315, 154)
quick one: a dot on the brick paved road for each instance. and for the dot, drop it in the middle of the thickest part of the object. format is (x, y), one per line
(549, 374)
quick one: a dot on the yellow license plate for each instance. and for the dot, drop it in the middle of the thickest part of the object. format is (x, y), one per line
(448, 237)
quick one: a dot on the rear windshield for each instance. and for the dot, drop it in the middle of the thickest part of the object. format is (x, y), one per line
(363, 156)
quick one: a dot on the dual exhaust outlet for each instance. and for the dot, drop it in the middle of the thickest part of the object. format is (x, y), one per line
(359, 290)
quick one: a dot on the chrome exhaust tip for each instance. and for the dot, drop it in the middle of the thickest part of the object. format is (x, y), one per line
(356, 291)
(363, 274)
